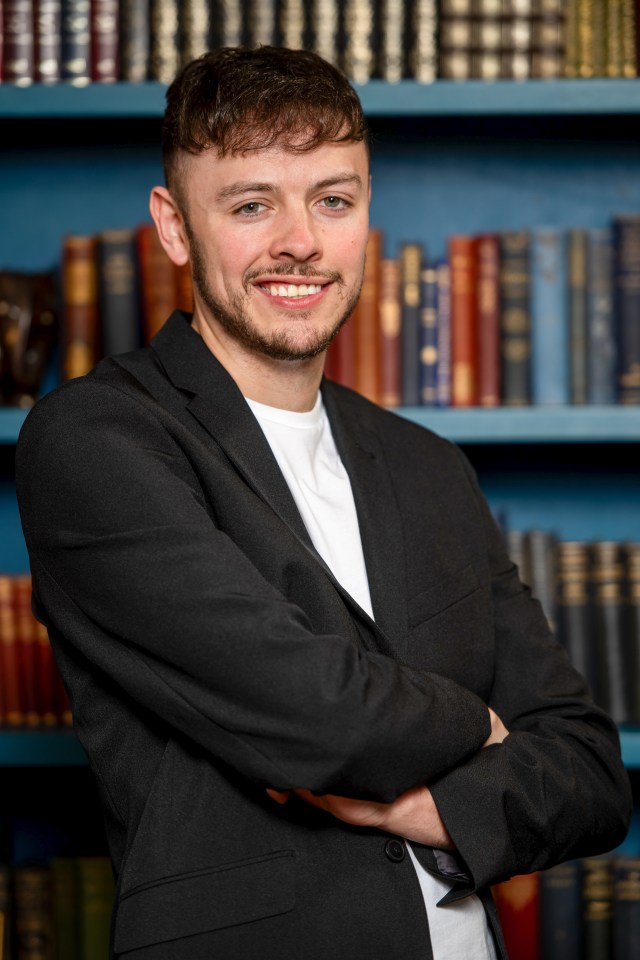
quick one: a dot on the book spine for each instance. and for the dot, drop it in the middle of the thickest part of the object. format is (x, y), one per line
(423, 47)
(134, 40)
(626, 907)
(542, 551)
(359, 40)
(615, 671)
(515, 325)
(455, 40)
(228, 23)
(549, 327)
(601, 336)
(614, 54)
(626, 234)
(324, 23)
(464, 334)
(517, 902)
(488, 298)
(195, 29)
(574, 614)
(18, 42)
(390, 333)
(516, 40)
(96, 893)
(80, 306)
(157, 281)
(392, 40)
(343, 359)
(443, 272)
(633, 625)
(571, 43)
(47, 41)
(262, 22)
(577, 269)
(585, 65)
(411, 255)
(104, 41)
(599, 38)
(293, 26)
(118, 291)
(25, 637)
(560, 895)
(597, 901)
(32, 913)
(486, 41)
(13, 715)
(630, 28)
(367, 327)
(548, 39)
(75, 40)
(429, 336)
(164, 44)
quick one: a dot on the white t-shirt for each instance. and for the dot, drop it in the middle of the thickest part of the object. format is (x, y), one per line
(303, 446)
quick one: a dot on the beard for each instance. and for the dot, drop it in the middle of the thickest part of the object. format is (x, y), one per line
(235, 320)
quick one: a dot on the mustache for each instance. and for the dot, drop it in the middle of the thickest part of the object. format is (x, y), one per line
(286, 269)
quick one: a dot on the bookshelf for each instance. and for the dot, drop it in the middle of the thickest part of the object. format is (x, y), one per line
(447, 157)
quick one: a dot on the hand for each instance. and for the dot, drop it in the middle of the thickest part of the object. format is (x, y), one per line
(413, 815)
(498, 730)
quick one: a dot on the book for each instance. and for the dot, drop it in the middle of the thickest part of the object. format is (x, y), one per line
(133, 40)
(324, 26)
(488, 307)
(341, 356)
(411, 258)
(455, 40)
(359, 40)
(601, 333)
(515, 324)
(228, 23)
(28, 334)
(366, 322)
(560, 911)
(104, 41)
(164, 40)
(157, 278)
(47, 41)
(32, 913)
(118, 293)
(626, 908)
(95, 892)
(423, 48)
(548, 39)
(75, 42)
(18, 42)
(195, 28)
(626, 291)
(613, 647)
(262, 22)
(428, 370)
(487, 40)
(517, 902)
(80, 335)
(633, 580)
(392, 40)
(462, 252)
(293, 25)
(517, 542)
(13, 715)
(573, 608)
(549, 318)
(443, 277)
(577, 294)
(390, 333)
(542, 558)
(65, 908)
(25, 639)
(597, 904)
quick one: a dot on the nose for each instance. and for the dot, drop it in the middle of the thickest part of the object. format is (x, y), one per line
(296, 237)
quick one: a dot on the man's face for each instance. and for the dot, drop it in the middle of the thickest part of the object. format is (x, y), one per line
(277, 242)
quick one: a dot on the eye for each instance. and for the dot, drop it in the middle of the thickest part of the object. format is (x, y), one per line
(250, 209)
(334, 203)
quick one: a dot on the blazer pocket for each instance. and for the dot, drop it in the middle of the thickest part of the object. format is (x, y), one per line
(442, 595)
(205, 900)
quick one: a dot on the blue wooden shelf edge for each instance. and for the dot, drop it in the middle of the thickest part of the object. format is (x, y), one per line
(630, 743)
(408, 98)
(41, 748)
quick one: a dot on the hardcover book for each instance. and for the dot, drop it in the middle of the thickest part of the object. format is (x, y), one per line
(515, 322)
(464, 319)
(134, 40)
(390, 333)
(80, 334)
(601, 333)
(549, 317)
(75, 31)
(626, 287)
(411, 258)
(47, 41)
(104, 41)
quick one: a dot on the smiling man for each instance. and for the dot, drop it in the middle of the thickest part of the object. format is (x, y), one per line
(323, 713)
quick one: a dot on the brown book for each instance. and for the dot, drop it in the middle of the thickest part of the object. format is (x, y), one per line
(157, 281)
(455, 44)
(390, 333)
(9, 660)
(195, 28)
(80, 334)
(488, 293)
(548, 39)
(33, 913)
(366, 320)
(464, 319)
(630, 29)
(184, 287)
(518, 904)
(341, 356)
(26, 641)
(104, 40)
(423, 52)
(45, 676)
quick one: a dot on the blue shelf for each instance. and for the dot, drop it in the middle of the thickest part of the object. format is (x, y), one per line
(41, 748)
(11, 420)
(630, 742)
(442, 98)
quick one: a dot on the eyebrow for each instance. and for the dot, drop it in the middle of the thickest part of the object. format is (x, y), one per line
(241, 187)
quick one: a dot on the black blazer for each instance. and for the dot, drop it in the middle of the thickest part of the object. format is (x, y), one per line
(209, 653)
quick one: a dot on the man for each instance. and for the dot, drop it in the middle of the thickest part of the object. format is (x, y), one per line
(293, 641)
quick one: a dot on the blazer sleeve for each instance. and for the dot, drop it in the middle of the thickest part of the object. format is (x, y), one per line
(131, 571)
(555, 788)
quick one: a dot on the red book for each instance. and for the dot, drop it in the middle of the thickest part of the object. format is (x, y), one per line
(9, 663)
(18, 46)
(366, 322)
(517, 901)
(104, 41)
(488, 293)
(390, 334)
(464, 334)
(25, 638)
(342, 356)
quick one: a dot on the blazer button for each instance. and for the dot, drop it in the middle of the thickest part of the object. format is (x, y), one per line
(395, 850)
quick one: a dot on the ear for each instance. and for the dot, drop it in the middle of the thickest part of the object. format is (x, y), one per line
(169, 224)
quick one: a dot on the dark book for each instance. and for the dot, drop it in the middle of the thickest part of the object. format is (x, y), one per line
(626, 908)
(429, 336)
(597, 907)
(13, 715)
(325, 29)
(47, 41)
(464, 320)
(360, 42)
(488, 306)
(411, 258)
(517, 902)
(577, 273)
(134, 41)
(80, 348)
(104, 40)
(542, 553)
(18, 42)
(75, 42)
(33, 913)
(262, 22)
(601, 333)
(515, 324)
(560, 901)
(548, 39)
(390, 333)
(26, 643)
(118, 293)
(392, 46)
(164, 40)
(366, 322)
(626, 291)
(195, 29)
(341, 356)
(443, 273)
(549, 319)
(65, 908)
(613, 646)
(632, 551)
(422, 41)
(96, 891)
(573, 608)
(518, 548)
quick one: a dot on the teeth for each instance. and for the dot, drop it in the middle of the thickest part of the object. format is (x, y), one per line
(293, 289)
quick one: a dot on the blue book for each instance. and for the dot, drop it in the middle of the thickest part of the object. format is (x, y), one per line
(601, 334)
(443, 386)
(429, 336)
(550, 379)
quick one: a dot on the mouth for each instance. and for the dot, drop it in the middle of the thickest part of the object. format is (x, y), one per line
(290, 290)
(293, 292)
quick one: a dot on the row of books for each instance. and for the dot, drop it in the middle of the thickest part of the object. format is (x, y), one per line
(57, 911)
(585, 909)
(103, 41)
(590, 593)
(543, 315)
(31, 691)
